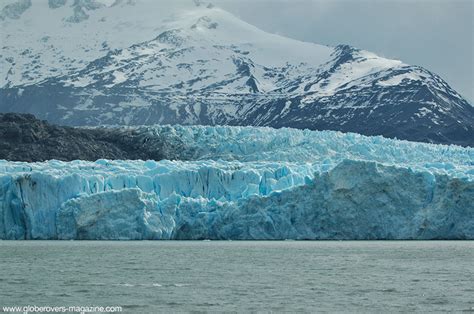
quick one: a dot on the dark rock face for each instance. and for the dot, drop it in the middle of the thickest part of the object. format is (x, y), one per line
(410, 112)
(25, 138)
(425, 109)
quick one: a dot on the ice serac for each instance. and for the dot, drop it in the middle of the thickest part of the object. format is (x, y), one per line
(355, 200)
(175, 62)
(248, 183)
(129, 214)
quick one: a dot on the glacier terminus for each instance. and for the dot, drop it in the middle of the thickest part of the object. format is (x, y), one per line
(247, 183)
(179, 120)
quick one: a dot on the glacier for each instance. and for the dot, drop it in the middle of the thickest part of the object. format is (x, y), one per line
(247, 183)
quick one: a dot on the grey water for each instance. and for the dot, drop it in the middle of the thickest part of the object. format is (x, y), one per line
(280, 276)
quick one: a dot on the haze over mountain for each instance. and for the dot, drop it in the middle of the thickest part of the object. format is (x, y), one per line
(435, 34)
(90, 62)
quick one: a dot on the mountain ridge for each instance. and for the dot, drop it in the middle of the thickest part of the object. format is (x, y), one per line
(197, 64)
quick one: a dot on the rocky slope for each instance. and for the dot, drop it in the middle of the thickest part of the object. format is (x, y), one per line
(25, 138)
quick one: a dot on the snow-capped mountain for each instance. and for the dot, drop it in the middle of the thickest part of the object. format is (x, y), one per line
(91, 62)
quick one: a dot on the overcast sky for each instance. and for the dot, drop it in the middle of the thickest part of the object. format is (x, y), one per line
(436, 34)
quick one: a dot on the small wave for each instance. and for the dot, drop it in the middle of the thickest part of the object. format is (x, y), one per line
(125, 285)
(181, 284)
(389, 290)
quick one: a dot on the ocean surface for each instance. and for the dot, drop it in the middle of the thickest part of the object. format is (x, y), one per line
(281, 276)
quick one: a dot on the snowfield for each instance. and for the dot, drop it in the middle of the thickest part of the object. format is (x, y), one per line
(92, 63)
(248, 183)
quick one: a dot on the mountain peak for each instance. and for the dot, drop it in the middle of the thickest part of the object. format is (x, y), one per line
(90, 62)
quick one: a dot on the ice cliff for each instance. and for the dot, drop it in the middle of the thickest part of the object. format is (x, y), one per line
(247, 183)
